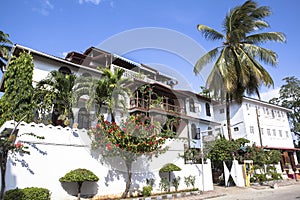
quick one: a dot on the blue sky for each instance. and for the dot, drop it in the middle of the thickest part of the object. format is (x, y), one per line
(56, 27)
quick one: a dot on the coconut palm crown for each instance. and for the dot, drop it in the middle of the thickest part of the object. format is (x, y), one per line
(237, 62)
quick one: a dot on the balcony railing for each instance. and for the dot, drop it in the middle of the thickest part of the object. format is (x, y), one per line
(133, 75)
(148, 105)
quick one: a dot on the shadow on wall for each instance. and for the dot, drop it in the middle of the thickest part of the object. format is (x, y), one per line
(88, 190)
(117, 170)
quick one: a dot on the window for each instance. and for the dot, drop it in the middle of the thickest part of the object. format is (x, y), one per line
(207, 108)
(221, 110)
(83, 118)
(236, 128)
(269, 132)
(64, 70)
(261, 131)
(210, 131)
(273, 114)
(287, 134)
(195, 134)
(192, 105)
(247, 106)
(274, 132)
(280, 133)
(252, 129)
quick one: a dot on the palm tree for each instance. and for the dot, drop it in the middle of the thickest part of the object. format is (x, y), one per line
(237, 68)
(5, 47)
(55, 93)
(85, 85)
(110, 91)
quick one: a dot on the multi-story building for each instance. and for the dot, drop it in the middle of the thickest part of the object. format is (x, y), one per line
(194, 111)
(152, 94)
(263, 124)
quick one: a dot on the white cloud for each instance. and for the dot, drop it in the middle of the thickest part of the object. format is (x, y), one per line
(266, 96)
(44, 7)
(96, 2)
(64, 54)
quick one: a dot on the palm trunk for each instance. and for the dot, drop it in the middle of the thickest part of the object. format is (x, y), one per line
(128, 182)
(228, 117)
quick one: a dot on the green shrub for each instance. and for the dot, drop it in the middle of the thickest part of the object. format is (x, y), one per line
(190, 180)
(147, 191)
(164, 184)
(32, 193)
(260, 178)
(276, 176)
(175, 182)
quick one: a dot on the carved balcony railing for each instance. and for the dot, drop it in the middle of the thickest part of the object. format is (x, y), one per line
(148, 105)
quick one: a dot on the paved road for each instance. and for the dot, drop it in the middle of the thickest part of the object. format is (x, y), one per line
(291, 192)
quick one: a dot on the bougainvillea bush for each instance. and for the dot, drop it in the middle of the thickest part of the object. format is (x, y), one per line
(133, 137)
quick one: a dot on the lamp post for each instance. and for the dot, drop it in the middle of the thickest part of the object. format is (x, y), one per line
(202, 159)
(202, 154)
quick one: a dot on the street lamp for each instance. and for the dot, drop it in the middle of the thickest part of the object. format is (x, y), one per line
(202, 154)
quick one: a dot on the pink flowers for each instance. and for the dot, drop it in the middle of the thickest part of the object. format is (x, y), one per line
(19, 145)
(98, 126)
(108, 146)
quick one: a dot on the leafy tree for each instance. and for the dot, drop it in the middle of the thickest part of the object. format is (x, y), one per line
(5, 47)
(239, 149)
(289, 97)
(111, 92)
(130, 140)
(17, 99)
(54, 93)
(223, 150)
(79, 176)
(236, 69)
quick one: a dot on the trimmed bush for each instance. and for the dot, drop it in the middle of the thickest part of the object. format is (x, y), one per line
(79, 176)
(147, 191)
(31, 193)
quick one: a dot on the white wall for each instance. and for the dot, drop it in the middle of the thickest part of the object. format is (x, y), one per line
(65, 149)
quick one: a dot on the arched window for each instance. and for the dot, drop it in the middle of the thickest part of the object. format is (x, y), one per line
(64, 70)
(192, 105)
(207, 108)
(83, 118)
(195, 132)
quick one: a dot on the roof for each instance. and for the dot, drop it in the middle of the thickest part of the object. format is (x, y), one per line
(266, 103)
(283, 148)
(16, 49)
(190, 93)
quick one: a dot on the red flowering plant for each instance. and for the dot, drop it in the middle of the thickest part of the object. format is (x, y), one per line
(134, 137)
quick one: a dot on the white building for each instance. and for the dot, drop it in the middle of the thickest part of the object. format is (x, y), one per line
(194, 113)
(261, 123)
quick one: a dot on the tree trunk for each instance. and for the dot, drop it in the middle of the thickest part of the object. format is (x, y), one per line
(258, 126)
(79, 185)
(228, 117)
(128, 182)
(3, 172)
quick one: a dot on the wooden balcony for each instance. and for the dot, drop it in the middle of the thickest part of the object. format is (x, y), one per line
(154, 105)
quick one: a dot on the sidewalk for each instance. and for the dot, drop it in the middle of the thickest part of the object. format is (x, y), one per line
(222, 190)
